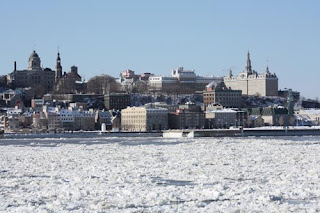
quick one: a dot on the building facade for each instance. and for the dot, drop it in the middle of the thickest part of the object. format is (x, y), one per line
(180, 81)
(220, 94)
(252, 83)
(144, 119)
(188, 116)
(224, 118)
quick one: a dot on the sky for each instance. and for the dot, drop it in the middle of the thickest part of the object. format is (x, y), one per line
(211, 37)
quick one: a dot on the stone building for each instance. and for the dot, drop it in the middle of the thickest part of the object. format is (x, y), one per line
(144, 119)
(180, 81)
(252, 83)
(218, 93)
(35, 76)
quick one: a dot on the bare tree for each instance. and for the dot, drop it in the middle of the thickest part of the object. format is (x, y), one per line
(102, 84)
(39, 90)
(3, 81)
(140, 87)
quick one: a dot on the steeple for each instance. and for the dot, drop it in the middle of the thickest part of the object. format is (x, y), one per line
(58, 67)
(267, 70)
(248, 67)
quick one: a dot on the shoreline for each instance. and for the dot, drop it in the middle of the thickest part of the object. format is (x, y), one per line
(183, 133)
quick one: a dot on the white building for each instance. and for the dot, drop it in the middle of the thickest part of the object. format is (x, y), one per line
(146, 118)
(180, 81)
(252, 83)
(67, 119)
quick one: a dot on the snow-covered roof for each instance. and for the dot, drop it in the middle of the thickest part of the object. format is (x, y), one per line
(224, 111)
(302, 117)
(311, 111)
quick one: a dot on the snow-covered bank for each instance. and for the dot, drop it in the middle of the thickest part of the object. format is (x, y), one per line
(160, 175)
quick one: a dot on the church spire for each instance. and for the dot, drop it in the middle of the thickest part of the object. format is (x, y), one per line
(58, 67)
(248, 67)
(267, 70)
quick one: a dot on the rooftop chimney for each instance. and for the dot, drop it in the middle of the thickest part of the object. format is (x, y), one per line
(15, 65)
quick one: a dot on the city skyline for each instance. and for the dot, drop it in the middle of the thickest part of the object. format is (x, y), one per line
(210, 37)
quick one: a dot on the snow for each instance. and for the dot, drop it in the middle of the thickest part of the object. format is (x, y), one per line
(312, 111)
(101, 174)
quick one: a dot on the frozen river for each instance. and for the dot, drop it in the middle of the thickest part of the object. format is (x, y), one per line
(101, 174)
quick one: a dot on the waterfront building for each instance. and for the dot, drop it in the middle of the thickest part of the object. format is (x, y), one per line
(67, 119)
(252, 83)
(272, 116)
(83, 120)
(187, 116)
(224, 118)
(101, 117)
(144, 119)
(53, 116)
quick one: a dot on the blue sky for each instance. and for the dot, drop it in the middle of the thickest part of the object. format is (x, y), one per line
(107, 37)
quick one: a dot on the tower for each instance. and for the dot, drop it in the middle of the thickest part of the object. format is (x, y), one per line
(34, 63)
(58, 67)
(248, 67)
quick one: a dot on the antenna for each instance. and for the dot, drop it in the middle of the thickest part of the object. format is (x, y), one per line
(58, 48)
